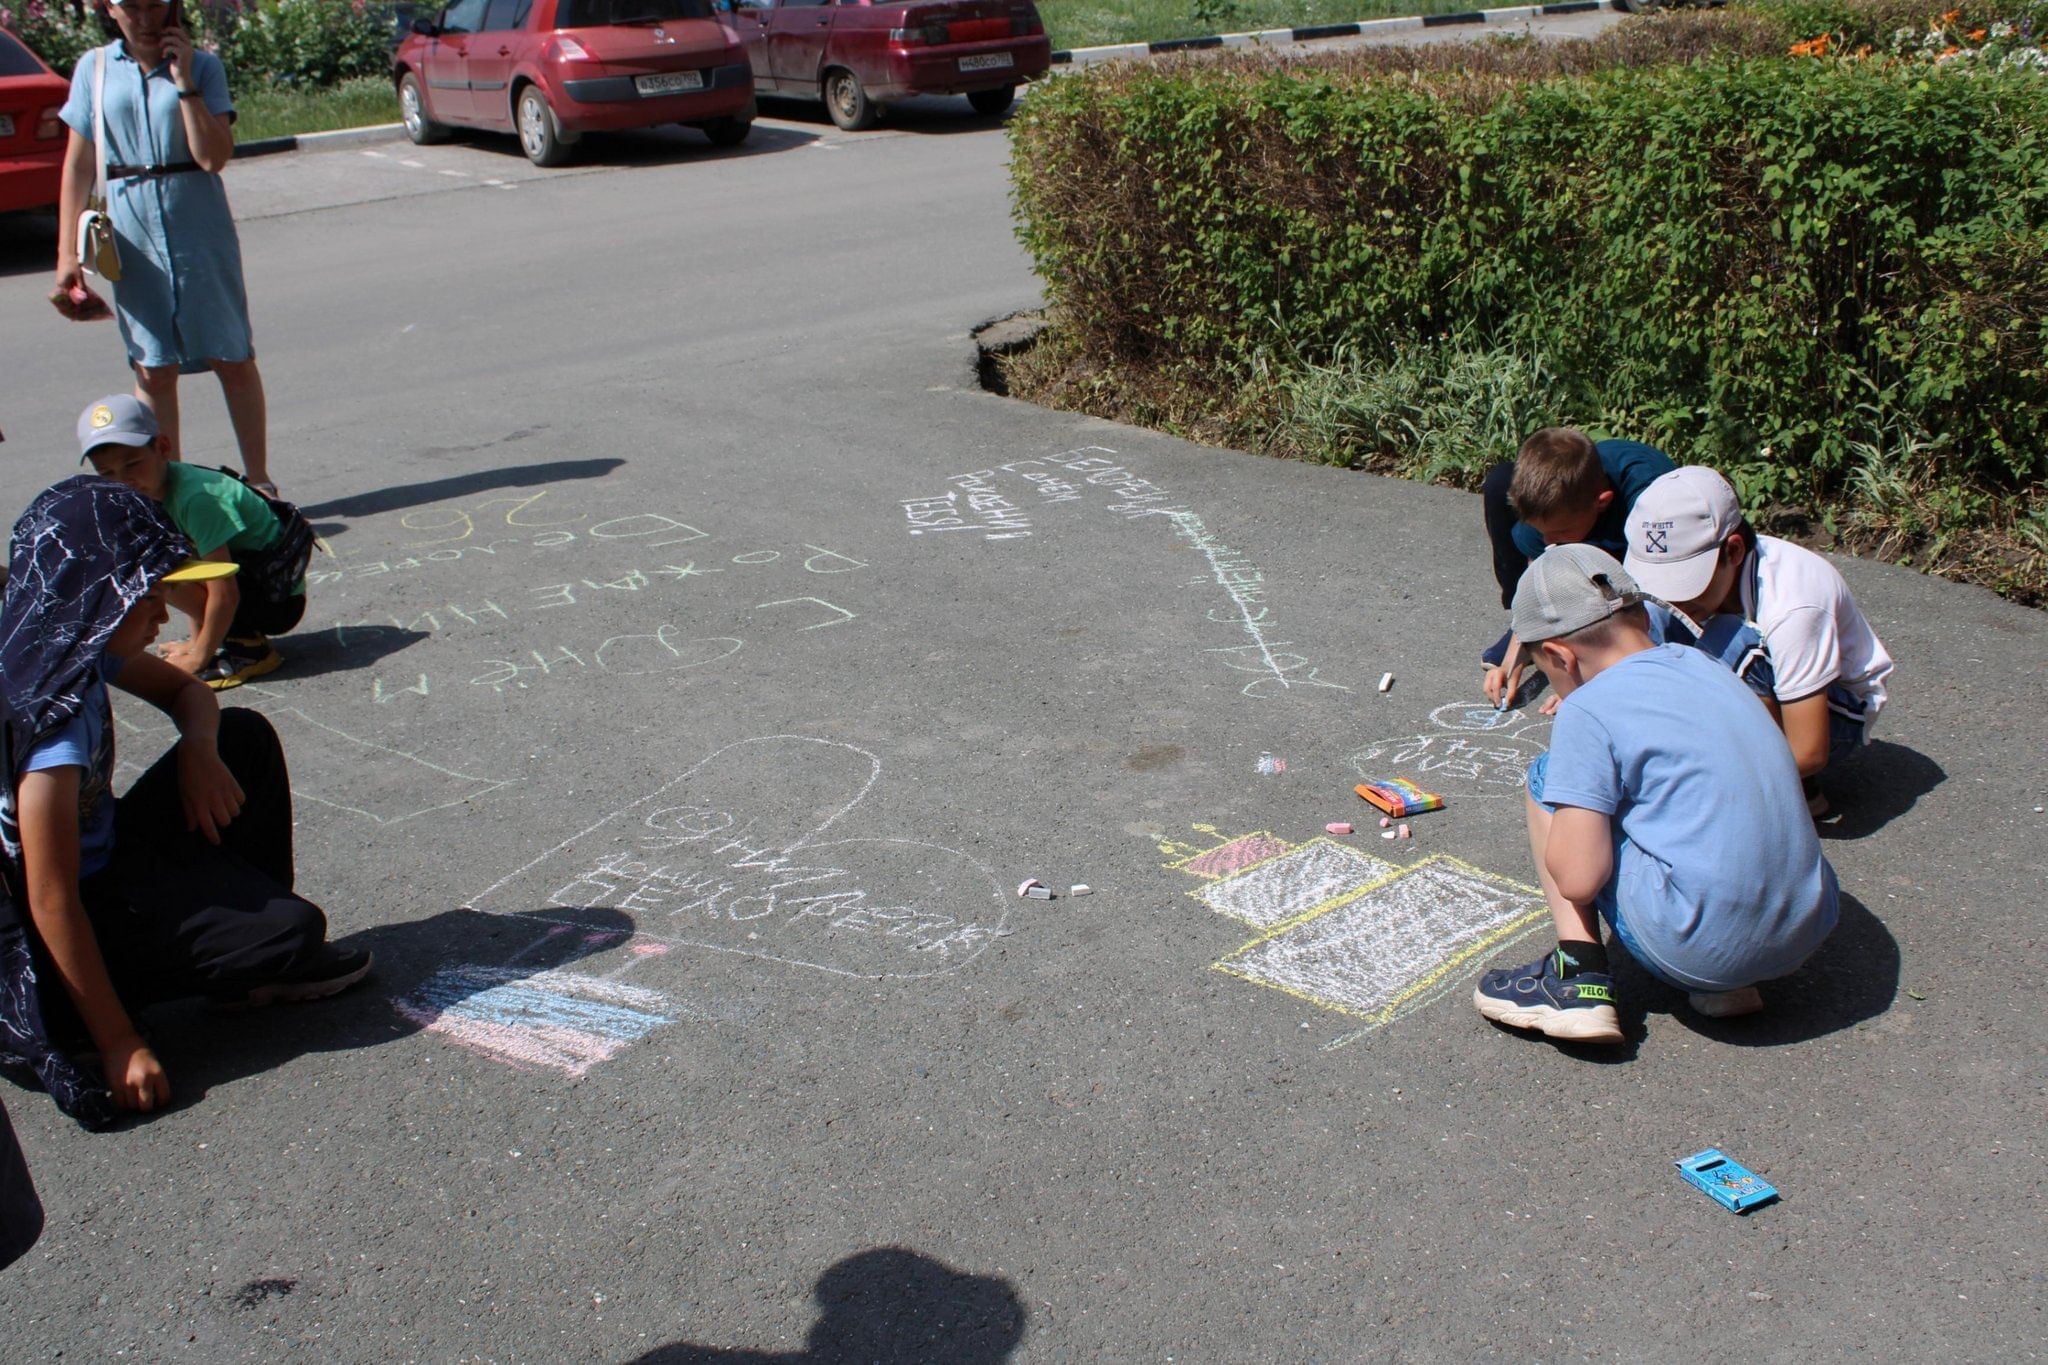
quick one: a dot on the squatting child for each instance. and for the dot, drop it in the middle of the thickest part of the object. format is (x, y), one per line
(1668, 805)
(234, 617)
(1562, 488)
(181, 887)
(1800, 641)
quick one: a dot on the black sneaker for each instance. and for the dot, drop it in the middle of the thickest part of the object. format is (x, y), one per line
(1575, 1010)
(240, 660)
(332, 972)
(1496, 654)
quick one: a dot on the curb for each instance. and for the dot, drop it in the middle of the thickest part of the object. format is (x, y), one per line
(313, 142)
(1089, 56)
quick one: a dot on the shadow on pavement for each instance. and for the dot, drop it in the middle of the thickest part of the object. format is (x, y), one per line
(1854, 977)
(1881, 784)
(427, 971)
(457, 486)
(925, 114)
(666, 145)
(888, 1306)
(28, 246)
(339, 649)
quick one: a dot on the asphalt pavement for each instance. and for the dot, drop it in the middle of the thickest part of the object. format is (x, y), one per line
(702, 663)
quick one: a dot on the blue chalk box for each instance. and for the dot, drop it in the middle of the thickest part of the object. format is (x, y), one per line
(1727, 1181)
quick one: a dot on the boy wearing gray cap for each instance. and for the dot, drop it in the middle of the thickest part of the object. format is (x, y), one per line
(1668, 805)
(232, 618)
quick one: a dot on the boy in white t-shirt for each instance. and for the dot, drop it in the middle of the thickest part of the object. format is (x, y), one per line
(1824, 669)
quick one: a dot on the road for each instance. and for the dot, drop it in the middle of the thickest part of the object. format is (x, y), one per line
(703, 663)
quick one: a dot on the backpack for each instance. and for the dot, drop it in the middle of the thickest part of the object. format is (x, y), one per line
(273, 575)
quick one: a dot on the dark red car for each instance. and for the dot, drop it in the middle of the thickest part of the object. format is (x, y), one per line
(858, 54)
(552, 70)
(32, 137)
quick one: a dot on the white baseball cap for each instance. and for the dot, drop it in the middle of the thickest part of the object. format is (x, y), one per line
(1676, 530)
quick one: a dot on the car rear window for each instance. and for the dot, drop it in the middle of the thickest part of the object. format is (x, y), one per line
(599, 13)
(15, 59)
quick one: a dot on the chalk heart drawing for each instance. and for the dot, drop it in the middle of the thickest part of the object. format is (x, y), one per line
(729, 856)
(1351, 932)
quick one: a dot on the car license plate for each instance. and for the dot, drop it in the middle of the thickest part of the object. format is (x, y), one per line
(6, 125)
(988, 61)
(670, 84)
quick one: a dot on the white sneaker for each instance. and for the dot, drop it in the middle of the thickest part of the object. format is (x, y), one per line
(1726, 1004)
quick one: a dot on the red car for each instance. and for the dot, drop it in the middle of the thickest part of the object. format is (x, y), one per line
(857, 54)
(552, 70)
(32, 137)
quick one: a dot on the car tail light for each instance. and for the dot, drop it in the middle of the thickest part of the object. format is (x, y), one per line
(1025, 23)
(49, 125)
(567, 49)
(925, 35)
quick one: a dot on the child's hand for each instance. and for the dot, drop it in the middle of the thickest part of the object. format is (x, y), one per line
(210, 793)
(185, 654)
(135, 1075)
(1550, 705)
(1501, 685)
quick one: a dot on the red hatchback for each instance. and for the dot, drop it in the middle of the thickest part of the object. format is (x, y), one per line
(856, 54)
(32, 139)
(552, 70)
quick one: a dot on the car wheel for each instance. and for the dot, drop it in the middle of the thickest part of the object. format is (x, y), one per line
(728, 132)
(539, 135)
(847, 100)
(412, 107)
(992, 103)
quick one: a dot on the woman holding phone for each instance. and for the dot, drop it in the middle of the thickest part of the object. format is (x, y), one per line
(168, 119)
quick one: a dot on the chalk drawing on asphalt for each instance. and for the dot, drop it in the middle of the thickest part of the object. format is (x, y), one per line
(1351, 932)
(730, 856)
(334, 768)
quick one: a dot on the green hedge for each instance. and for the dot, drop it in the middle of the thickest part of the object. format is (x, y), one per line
(1775, 266)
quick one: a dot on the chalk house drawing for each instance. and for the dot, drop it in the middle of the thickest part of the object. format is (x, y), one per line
(728, 856)
(1351, 932)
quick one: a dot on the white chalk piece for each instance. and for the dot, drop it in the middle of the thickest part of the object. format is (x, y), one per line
(1080, 889)
(1038, 893)
(1386, 834)
(1024, 887)
(1338, 827)
(1386, 682)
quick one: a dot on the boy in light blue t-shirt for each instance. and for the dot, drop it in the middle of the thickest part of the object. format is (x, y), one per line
(1667, 805)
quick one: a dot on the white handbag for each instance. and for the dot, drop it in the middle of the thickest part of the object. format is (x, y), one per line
(97, 250)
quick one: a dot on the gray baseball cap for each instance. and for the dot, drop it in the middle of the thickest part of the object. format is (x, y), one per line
(119, 419)
(1569, 588)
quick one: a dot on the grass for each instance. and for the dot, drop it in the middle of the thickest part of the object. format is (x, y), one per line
(279, 111)
(1095, 23)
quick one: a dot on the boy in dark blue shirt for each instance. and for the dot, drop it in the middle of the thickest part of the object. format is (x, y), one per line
(1562, 488)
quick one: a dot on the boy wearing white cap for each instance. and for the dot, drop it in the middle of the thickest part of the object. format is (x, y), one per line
(1825, 669)
(1667, 806)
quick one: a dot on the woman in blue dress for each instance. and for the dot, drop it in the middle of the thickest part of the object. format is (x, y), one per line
(168, 121)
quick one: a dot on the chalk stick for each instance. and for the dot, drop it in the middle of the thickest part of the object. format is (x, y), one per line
(1079, 889)
(1386, 834)
(1038, 893)
(1404, 832)
(1338, 827)
(1386, 822)
(1386, 681)
(1024, 887)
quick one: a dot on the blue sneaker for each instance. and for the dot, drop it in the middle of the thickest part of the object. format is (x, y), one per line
(1496, 654)
(1579, 1010)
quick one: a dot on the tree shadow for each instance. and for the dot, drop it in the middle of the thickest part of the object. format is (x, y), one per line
(1880, 784)
(888, 1306)
(662, 145)
(443, 973)
(922, 114)
(339, 649)
(458, 486)
(1853, 977)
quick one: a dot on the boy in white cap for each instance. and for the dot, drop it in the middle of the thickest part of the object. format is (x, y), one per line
(1667, 805)
(232, 618)
(1823, 670)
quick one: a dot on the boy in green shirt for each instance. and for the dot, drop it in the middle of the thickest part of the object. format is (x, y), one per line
(234, 617)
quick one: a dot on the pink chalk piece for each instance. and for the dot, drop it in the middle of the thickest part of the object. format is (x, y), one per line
(1024, 887)
(650, 949)
(1386, 823)
(1338, 827)
(1404, 832)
